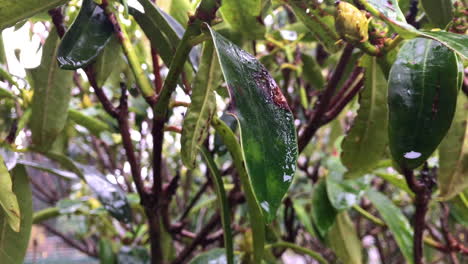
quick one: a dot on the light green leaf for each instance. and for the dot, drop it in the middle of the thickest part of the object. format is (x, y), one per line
(266, 124)
(106, 62)
(242, 15)
(396, 222)
(13, 245)
(323, 212)
(93, 124)
(9, 207)
(52, 92)
(440, 12)
(12, 11)
(203, 106)
(366, 141)
(453, 154)
(344, 241)
(180, 10)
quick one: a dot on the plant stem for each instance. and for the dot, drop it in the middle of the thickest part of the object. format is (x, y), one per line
(298, 249)
(369, 216)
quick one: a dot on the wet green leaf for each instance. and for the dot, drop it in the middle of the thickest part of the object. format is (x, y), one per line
(322, 26)
(439, 11)
(202, 108)
(106, 62)
(242, 15)
(52, 92)
(366, 141)
(266, 124)
(13, 245)
(87, 37)
(396, 222)
(323, 212)
(213, 256)
(344, 241)
(13, 11)
(452, 177)
(9, 208)
(423, 87)
(343, 194)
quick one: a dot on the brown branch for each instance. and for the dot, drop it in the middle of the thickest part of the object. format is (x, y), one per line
(341, 104)
(70, 241)
(156, 70)
(194, 200)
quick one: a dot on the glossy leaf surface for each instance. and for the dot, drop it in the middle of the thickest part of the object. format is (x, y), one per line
(86, 38)
(423, 87)
(12, 11)
(242, 15)
(323, 212)
(106, 62)
(52, 92)
(202, 108)
(9, 207)
(13, 245)
(396, 221)
(344, 241)
(366, 141)
(452, 177)
(439, 11)
(268, 136)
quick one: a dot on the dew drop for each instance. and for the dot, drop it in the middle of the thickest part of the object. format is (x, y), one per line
(412, 155)
(265, 205)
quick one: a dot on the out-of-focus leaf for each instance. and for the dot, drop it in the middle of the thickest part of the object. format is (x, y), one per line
(242, 15)
(13, 245)
(52, 92)
(213, 256)
(344, 194)
(12, 11)
(367, 139)
(223, 203)
(452, 177)
(135, 255)
(459, 208)
(390, 11)
(423, 87)
(86, 38)
(106, 62)
(10, 158)
(106, 253)
(9, 207)
(323, 212)
(396, 222)
(179, 10)
(312, 72)
(94, 125)
(202, 108)
(266, 124)
(63, 174)
(344, 241)
(321, 26)
(304, 217)
(439, 11)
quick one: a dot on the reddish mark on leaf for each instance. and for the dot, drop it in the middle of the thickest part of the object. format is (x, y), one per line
(270, 88)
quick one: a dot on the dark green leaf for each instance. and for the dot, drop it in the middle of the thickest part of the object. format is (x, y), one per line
(344, 241)
(323, 212)
(344, 194)
(396, 221)
(86, 38)
(312, 72)
(106, 253)
(242, 15)
(135, 255)
(9, 207)
(366, 141)
(268, 136)
(202, 108)
(439, 11)
(213, 256)
(423, 87)
(452, 177)
(13, 245)
(52, 92)
(106, 62)
(12, 11)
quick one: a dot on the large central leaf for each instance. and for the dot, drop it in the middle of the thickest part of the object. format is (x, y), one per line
(268, 136)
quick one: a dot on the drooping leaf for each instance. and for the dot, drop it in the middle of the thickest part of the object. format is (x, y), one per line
(423, 87)
(452, 177)
(396, 221)
(93, 124)
(13, 11)
(390, 11)
(367, 139)
(242, 15)
(9, 207)
(266, 124)
(439, 11)
(344, 241)
(345, 193)
(223, 204)
(61, 173)
(52, 92)
(86, 38)
(213, 256)
(202, 108)
(106, 62)
(304, 217)
(13, 245)
(323, 212)
(321, 26)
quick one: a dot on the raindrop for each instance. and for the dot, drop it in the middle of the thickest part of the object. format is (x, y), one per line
(412, 155)
(265, 205)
